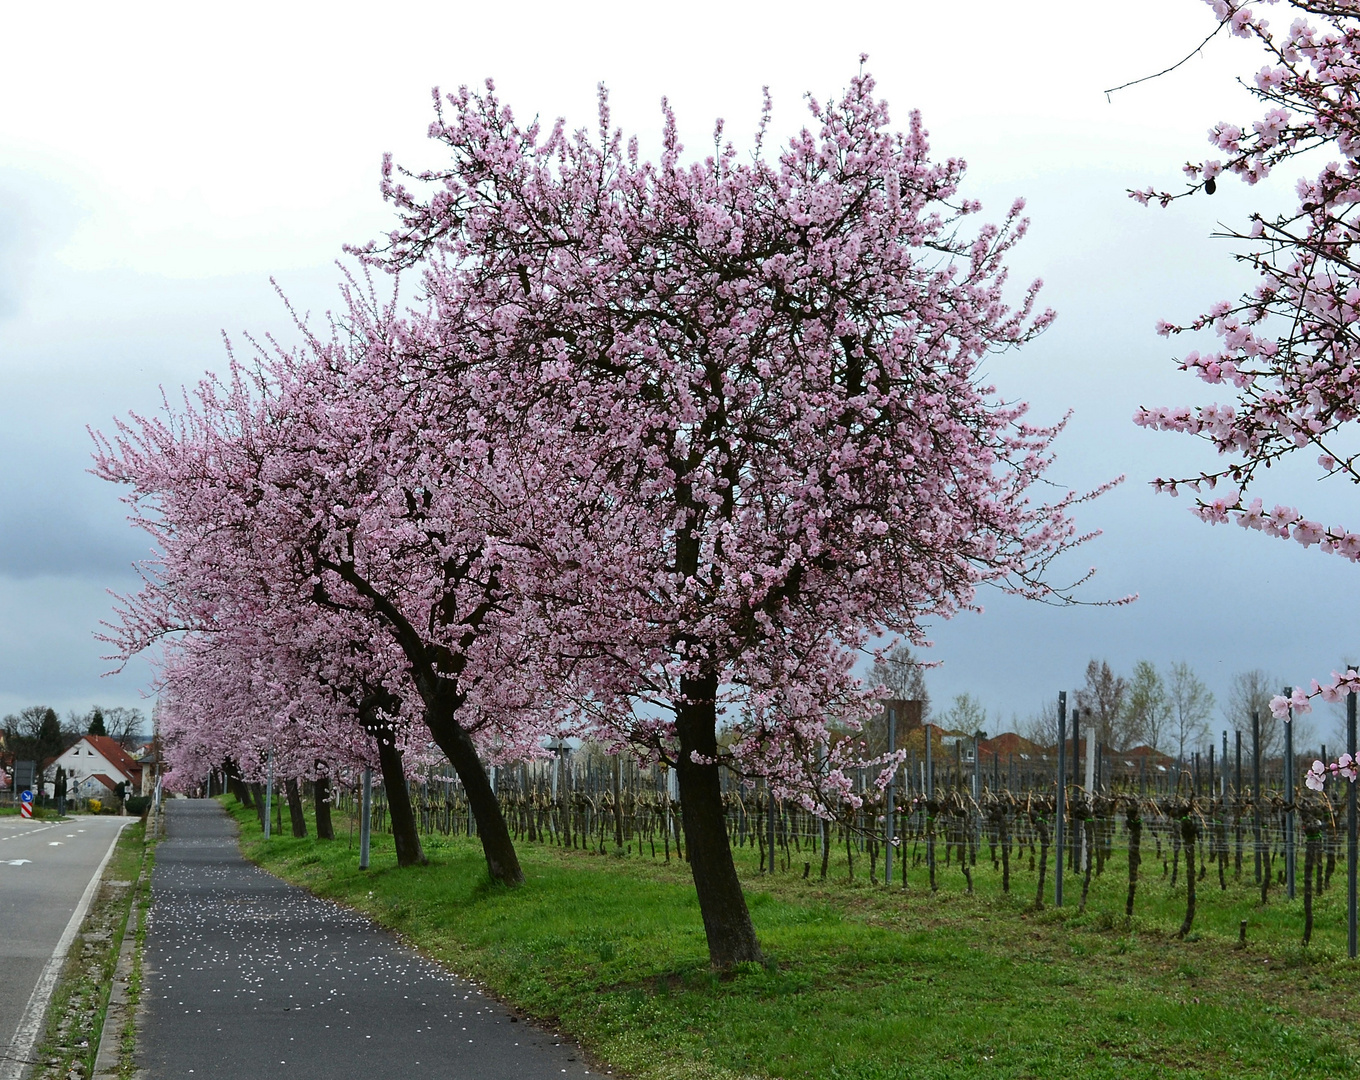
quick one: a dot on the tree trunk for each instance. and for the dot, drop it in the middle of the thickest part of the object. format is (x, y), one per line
(1188, 830)
(499, 849)
(257, 793)
(322, 789)
(1003, 834)
(295, 807)
(1312, 860)
(400, 815)
(618, 805)
(1135, 827)
(1041, 825)
(236, 785)
(727, 922)
(931, 808)
(1089, 830)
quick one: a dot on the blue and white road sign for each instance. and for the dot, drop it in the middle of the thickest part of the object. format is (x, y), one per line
(26, 796)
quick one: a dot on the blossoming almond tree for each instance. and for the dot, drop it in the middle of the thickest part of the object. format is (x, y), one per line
(759, 385)
(1288, 350)
(244, 692)
(309, 486)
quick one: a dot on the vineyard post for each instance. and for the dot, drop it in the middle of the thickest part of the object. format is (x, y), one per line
(978, 736)
(1061, 811)
(1237, 802)
(1223, 779)
(1211, 772)
(769, 825)
(1351, 853)
(1256, 787)
(1289, 800)
(1076, 783)
(618, 806)
(930, 764)
(1076, 747)
(1086, 854)
(365, 814)
(889, 819)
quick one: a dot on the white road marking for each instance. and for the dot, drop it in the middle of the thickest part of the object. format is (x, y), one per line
(17, 862)
(30, 1024)
(27, 832)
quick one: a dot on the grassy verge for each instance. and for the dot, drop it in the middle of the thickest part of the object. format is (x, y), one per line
(865, 982)
(75, 1017)
(127, 1038)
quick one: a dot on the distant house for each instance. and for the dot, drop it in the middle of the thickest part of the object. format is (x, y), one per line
(1008, 747)
(97, 786)
(149, 759)
(1143, 757)
(98, 757)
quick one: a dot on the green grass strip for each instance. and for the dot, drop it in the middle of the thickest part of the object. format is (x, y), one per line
(864, 982)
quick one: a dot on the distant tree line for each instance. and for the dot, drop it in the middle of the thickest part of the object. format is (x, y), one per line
(1168, 709)
(37, 733)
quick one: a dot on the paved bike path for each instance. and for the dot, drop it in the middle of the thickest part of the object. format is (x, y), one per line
(249, 976)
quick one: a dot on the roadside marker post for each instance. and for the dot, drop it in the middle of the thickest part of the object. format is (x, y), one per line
(26, 805)
(364, 817)
(268, 792)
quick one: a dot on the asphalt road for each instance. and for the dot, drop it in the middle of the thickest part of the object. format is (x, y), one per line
(46, 869)
(252, 977)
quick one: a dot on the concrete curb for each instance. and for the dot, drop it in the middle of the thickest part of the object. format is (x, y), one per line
(116, 1014)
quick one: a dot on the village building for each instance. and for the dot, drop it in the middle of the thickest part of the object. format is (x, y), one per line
(95, 765)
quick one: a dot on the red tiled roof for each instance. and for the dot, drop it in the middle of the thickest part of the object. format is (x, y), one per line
(1008, 742)
(110, 784)
(115, 754)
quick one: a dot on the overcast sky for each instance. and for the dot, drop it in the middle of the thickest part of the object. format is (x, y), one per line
(160, 162)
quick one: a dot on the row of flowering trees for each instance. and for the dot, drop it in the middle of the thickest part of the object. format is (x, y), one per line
(656, 450)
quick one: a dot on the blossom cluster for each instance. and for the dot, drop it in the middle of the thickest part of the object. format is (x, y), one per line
(1287, 347)
(661, 449)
